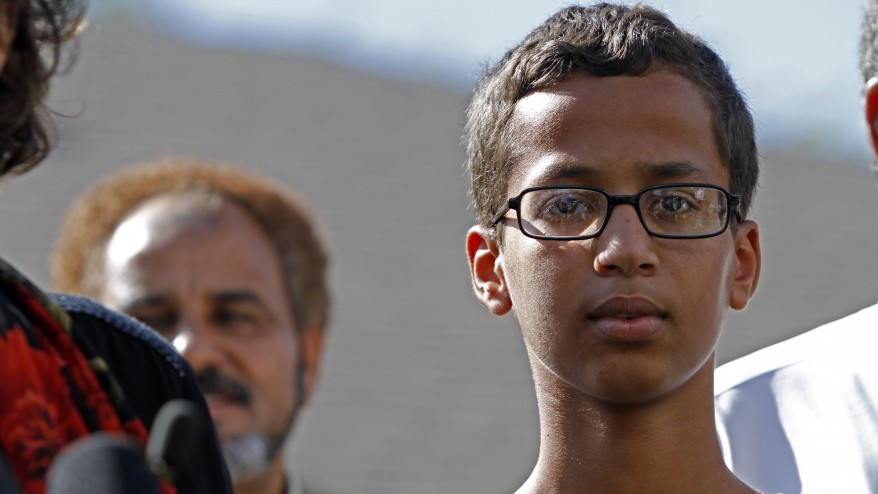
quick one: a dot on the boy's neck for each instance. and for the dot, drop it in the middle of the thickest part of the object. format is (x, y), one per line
(667, 445)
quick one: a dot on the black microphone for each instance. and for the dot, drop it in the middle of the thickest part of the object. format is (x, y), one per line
(175, 435)
(8, 483)
(105, 464)
(101, 464)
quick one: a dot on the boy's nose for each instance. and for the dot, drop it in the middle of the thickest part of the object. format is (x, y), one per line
(625, 247)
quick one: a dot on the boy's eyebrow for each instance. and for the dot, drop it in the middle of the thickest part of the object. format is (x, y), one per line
(574, 171)
(675, 169)
(669, 169)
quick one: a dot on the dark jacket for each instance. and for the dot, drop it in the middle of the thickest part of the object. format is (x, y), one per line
(150, 374)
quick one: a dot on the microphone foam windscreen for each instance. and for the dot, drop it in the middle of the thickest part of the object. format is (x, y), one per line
(100, 464)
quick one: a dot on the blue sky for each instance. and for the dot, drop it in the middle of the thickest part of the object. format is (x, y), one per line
(795, 60)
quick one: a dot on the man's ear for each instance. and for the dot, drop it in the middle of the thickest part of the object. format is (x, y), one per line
(486, 269)
(311, 354)
(748, 254)
(8, 22)
(872, 112)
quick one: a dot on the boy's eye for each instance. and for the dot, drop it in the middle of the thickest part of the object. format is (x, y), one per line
(567, 205)
(674, 204)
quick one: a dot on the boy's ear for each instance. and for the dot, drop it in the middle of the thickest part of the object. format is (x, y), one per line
(748, 254)
(486, 269)
(872, 112)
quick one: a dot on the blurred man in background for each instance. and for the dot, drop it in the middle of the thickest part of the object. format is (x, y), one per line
(70, 369)
(802, 415)
(228, 267)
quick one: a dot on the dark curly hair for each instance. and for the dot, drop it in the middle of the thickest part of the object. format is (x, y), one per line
(77, 260)
(35, 54)
(602, 40)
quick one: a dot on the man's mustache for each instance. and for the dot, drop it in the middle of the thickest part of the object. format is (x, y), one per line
(212, 381)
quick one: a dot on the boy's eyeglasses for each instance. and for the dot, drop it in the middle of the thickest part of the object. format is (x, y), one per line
(666, 211)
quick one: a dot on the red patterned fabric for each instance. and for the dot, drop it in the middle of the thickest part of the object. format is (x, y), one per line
(50, 393)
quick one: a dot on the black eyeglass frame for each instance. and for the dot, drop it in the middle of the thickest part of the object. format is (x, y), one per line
(514, 203)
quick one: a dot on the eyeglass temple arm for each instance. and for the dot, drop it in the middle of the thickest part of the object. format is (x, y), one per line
(505, 209)
(735, 203)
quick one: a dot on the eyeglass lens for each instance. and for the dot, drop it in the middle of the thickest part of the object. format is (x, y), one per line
(676, 211)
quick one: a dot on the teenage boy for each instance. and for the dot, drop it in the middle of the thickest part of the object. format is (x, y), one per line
(613, 162)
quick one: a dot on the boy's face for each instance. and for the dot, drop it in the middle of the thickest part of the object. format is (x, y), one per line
(624, 317)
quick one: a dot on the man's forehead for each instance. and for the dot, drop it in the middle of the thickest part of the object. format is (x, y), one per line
(189, 207)
(163, 218)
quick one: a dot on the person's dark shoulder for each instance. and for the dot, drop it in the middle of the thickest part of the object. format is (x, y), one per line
(150, 373)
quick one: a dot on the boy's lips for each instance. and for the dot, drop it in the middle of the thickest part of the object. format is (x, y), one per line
(627, 319)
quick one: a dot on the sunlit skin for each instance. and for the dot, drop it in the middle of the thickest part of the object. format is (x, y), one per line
(621, 329)
(213, 287)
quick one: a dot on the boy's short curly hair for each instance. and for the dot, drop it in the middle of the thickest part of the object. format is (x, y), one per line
(602, 40)
(77, 260)
(41, 28)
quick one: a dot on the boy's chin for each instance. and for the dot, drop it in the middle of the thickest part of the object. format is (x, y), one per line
(647, 385)
(627, 383)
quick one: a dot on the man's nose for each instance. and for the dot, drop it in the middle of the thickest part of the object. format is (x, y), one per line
(197, 346)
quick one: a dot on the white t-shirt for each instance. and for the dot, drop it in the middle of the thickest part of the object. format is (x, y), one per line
(801, 416)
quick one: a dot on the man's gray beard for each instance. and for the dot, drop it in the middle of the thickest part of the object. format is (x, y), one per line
(250, 456)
